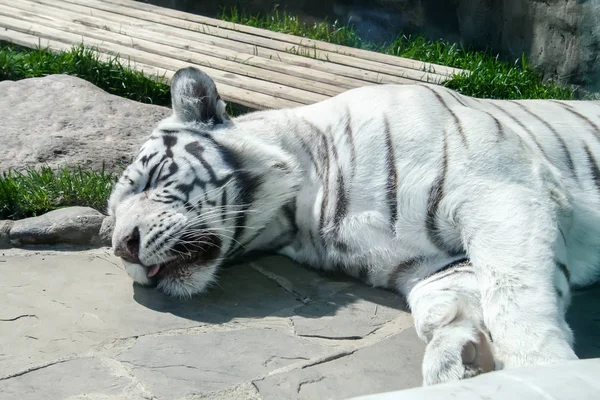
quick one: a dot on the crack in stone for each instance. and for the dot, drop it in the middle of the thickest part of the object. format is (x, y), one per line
(33, 369)
(283, 358)
(61, 303)
(332, 337)
(282, 282)
(19, 317)
(153, 367)
(307, 381)
(353, 337)
(332, 357)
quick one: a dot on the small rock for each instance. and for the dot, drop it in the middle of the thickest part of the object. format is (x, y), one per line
(106, 231)
(5, 226)
(72, 225)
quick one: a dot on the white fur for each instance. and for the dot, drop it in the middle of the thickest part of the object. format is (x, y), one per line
(506, 204)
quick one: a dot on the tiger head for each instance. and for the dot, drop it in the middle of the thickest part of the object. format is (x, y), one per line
(188, 200)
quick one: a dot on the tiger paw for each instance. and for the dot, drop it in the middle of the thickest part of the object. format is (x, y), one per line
(453, 356)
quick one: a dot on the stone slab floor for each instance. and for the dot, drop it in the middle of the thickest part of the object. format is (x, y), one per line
(73, 326)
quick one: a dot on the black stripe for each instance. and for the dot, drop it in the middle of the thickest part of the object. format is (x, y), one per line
(323, 152)
(173, 168)
(196, 150)
(151, 174)
(593, 166)
(392, 176)
(245, 183)
(457, 123)
(350, 136)
(564, 270)
(166, 200)
(456, 97)
(450, 269)
(169, 141)
(186, 189)
(157, 234)
(223, 204)
(341, 205)
(563, 145)
(436, 194)
(403, 267)
(363, 273)
(289, 211)
(512, 117)
(306, 148)
(499, 126)
(588, 121)
(146, 158)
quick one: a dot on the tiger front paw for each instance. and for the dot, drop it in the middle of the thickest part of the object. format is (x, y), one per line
(453, 356)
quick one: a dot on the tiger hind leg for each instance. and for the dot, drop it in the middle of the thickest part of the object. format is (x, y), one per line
(512, 237)
(448, 317)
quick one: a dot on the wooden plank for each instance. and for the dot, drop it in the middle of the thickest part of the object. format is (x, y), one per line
(165, 57)
(229, 93)
(299, 77)
(342, 71)
(264, 42)
(55, 18)
(297, 40)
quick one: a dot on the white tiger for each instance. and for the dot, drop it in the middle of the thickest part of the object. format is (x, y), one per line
(394, 184)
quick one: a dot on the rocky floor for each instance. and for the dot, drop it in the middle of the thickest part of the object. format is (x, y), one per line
(72, 323)
(73, 326)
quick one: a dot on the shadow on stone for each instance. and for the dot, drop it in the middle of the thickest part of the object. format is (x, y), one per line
(275, 286)
(584, 318)
(327, 305)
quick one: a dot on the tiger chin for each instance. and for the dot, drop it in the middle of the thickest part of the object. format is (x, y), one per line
(483, 214)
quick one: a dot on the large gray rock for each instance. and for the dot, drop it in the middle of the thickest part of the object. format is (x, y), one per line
(560, 37)
(64, 120)
(71, 225)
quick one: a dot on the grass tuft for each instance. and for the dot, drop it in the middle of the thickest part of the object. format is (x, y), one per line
(110, 75)
(290, 24)
(32, 192)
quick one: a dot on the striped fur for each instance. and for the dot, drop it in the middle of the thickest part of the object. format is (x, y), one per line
(483, 213)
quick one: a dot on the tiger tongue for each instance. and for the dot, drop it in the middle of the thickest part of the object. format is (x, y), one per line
(153, 270)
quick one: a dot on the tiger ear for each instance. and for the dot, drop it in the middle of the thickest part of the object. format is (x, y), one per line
(194, 98)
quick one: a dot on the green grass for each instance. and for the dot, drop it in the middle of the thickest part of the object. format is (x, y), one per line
(111, 75)
(32, 192)
(489, 78)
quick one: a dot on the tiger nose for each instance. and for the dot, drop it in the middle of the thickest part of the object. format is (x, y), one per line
(128, 248)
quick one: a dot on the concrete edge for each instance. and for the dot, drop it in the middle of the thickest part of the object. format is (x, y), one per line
(566, 381)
